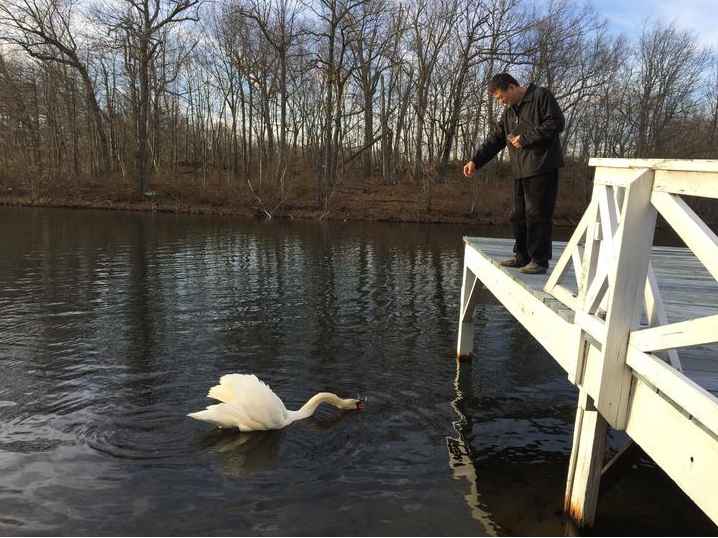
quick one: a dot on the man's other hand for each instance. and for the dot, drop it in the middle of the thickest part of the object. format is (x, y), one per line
(469, 169)
(516, 141)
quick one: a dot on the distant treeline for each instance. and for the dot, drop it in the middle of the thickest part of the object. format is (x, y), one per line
(134, 90)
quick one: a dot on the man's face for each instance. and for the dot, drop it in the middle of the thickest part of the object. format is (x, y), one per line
(509, 96)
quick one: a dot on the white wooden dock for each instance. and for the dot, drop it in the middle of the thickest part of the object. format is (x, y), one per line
(635, 332)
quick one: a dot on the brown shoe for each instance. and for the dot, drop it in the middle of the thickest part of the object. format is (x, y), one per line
(516, 261)
(533, 268)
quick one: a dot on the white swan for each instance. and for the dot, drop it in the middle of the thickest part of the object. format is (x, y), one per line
(250, 405)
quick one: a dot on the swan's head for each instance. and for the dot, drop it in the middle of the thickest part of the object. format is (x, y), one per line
(336, 401)
(351, 403)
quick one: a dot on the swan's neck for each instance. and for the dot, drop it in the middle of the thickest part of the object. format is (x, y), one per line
(308, 409)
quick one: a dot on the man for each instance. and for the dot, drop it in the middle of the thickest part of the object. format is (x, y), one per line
(530, 127)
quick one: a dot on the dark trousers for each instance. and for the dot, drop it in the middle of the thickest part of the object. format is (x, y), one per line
(532, 216)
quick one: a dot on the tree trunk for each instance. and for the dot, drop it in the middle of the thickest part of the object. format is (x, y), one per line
(142, 116)
(96, 113)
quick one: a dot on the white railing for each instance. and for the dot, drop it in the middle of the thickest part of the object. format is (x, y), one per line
(614, 285)
(628, 373)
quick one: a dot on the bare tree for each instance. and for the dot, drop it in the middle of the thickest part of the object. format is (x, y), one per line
(371, 50)
(18, 115)
(574, 57)
(276, 19)
(431, 23)
(140, 25)
(226, 65)
(335, 19)
(671, 65)
(44, 30)
(269, 92)
(712, 101)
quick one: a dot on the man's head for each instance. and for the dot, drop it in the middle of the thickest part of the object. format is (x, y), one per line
(505, 89)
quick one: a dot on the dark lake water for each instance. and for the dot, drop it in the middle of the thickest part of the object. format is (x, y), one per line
(113, 326)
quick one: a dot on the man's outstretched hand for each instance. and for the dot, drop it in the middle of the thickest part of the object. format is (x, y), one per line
(469, 169)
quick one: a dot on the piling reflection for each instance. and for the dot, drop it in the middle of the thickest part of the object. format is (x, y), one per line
(459, 448)
(508, 493)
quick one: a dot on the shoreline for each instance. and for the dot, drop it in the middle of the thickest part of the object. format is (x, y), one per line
(486, 200)
(289, 213)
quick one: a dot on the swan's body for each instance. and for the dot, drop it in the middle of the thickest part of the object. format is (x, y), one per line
(250, 405)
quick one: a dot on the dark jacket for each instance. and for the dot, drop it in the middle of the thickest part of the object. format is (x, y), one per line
(539, 120)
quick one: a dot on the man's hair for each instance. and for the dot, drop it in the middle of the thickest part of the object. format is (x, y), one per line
(501, 82)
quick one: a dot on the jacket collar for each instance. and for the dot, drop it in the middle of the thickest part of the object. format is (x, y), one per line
(529, 95)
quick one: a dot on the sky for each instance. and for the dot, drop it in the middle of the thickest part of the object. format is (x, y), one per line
(628, 16)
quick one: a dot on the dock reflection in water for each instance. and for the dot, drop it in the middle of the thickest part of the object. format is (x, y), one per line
(459, 446)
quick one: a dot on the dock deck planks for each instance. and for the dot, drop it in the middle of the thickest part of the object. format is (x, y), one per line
(687, 288)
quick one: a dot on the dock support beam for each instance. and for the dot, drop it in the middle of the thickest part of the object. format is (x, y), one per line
(586, 463)
(469, 293)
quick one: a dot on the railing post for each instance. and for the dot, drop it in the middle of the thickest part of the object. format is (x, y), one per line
(623, 262)
(626, 283)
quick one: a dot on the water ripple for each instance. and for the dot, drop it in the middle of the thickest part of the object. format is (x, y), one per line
(115, 325)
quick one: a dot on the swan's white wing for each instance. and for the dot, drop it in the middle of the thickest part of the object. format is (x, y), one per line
(226, 416)
(249, 397)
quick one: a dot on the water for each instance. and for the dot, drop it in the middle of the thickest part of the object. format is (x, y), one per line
(114, 325)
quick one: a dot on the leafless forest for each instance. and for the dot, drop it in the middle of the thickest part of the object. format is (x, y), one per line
(277, 98)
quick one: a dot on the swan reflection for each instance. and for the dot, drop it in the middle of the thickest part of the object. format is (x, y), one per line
(243, 453)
